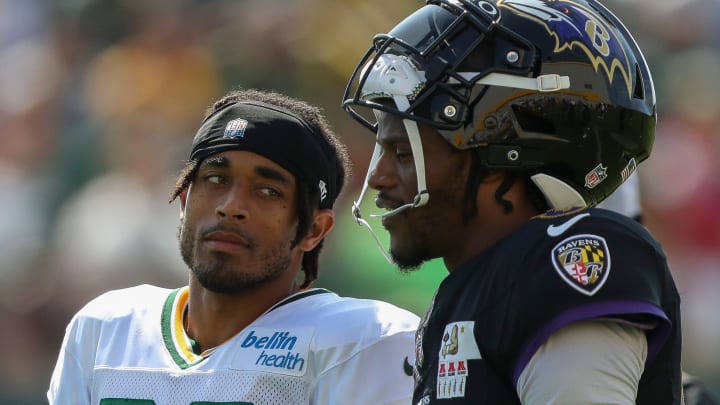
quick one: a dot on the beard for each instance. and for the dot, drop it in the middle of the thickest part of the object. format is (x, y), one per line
(414, 248)
(219, 274)
(426, 232)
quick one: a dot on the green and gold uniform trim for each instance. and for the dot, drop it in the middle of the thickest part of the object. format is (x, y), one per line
(179, 344)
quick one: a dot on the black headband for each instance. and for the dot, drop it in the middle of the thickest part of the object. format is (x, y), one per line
(276, 134)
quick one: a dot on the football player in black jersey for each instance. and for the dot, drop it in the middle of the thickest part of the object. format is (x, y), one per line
(499, 125)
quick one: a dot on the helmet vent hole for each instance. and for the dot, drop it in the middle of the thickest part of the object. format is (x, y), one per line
(531, 122)
(639, 92)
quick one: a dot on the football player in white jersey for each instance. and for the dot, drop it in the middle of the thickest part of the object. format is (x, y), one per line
(256, 203)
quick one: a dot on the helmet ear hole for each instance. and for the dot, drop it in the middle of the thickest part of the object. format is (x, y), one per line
(639, 92)
(528, 121)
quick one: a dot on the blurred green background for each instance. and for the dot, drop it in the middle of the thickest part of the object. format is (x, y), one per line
(99, 100)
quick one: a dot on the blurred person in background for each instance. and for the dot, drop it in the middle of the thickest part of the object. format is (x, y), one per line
(256, 201)
(626, 201)
(499, 125)
(30, 82)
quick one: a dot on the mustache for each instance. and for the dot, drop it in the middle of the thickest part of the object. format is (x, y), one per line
(383, 200)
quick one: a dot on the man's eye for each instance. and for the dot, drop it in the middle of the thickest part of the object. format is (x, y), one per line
(214, 178)
(403, 154)
(270, 192)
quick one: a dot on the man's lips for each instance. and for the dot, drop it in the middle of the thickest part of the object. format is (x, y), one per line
(388, 204)
(382, 202)
(226, 240)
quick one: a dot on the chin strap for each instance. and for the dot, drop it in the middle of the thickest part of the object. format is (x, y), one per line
(356, 205)
(423, 196)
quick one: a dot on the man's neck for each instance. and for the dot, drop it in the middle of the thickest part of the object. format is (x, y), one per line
(213, 318)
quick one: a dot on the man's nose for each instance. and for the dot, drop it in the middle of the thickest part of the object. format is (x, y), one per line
(234, 204)
(383, 175)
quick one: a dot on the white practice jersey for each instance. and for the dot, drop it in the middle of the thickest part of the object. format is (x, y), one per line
(129, 347)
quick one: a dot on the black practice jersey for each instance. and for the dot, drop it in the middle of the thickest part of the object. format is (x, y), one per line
(490, 315)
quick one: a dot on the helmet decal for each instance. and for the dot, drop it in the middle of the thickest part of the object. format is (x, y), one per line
(573, 24)
(596, 176)
(628, 170)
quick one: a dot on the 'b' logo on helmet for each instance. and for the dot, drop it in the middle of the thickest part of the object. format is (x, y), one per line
(573, 24)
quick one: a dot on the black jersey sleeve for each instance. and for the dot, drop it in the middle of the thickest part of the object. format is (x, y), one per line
(602, 266)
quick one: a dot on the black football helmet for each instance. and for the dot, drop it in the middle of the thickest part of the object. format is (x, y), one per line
(556, 88)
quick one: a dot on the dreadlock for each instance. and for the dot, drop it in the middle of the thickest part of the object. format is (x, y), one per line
(480, 172)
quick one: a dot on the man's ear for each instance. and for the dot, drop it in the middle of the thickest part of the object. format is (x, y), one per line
(323, 222)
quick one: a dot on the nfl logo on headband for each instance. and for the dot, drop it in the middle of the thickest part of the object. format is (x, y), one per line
(235, 128)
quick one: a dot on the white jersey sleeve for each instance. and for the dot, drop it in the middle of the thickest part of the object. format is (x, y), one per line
(587, 362)
(72, 378)
(70, 381)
